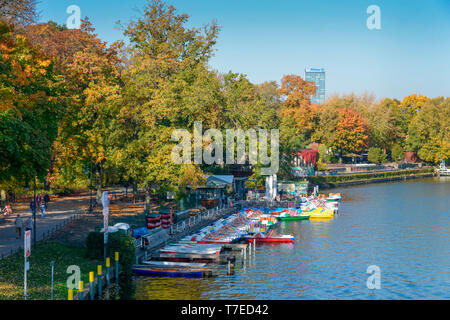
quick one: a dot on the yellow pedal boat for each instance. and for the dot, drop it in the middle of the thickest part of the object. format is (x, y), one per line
(321, 213)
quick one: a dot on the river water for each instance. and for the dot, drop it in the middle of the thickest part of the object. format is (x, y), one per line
(403, 228)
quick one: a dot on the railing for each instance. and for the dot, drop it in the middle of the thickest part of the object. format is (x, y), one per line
(43, 235)
(192, 221)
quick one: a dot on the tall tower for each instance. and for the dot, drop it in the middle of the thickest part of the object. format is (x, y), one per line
(317, 75)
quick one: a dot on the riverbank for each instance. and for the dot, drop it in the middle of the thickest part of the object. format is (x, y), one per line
(329, 182)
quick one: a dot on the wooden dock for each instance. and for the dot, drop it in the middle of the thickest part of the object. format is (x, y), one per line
(222, 258)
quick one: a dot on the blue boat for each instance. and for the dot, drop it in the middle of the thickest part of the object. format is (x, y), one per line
(171, 273)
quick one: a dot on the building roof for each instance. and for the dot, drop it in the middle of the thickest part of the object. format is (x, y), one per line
(219, 179)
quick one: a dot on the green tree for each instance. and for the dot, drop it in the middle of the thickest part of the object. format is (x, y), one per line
(384, 124)
(166, 72)
(376, 155)
(397, 153)
(429, 131)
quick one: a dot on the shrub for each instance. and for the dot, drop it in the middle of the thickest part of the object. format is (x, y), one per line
(365, 176)
(94, 244)
(122, 243)
(62, 192)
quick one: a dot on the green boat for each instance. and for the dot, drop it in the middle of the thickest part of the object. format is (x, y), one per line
(294, 218)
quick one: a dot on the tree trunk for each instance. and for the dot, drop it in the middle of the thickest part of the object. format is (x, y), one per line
(99, 169)
(135, 191)
(47, 183)
(147, 198)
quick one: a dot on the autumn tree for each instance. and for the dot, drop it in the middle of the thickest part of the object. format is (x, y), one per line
(19, 12)
(29, 108)
(330, 117)
(90, 70)
(297, 117)
(351, 132)
(296, 95)
(166, 73)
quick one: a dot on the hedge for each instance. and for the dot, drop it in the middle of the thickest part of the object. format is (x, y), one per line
(366, 176)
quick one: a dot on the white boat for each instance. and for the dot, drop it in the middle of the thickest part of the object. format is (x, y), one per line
(192, 248)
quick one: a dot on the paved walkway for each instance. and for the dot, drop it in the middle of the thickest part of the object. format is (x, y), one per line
(59, 212)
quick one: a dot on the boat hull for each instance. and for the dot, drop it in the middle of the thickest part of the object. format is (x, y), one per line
(171, 273)
(269, 240)
(293, 218)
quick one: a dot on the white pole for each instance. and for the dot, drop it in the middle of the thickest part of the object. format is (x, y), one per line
(25, 278)
(53, 267)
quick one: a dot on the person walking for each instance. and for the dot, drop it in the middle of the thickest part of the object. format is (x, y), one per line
(19, 226)
(46, 200)
(38, 199)
(29, 224)
(42, 207)
(32, 207)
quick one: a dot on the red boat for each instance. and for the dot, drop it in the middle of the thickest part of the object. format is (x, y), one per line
(269, 238)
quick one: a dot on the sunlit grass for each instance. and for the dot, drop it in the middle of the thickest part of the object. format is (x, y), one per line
(39, 275)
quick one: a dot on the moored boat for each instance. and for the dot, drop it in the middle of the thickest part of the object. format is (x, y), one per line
(269, 238)
(172, 273)
(293, 217)
(321, 213)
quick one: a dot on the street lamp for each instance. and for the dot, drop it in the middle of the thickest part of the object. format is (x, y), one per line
(34, 214)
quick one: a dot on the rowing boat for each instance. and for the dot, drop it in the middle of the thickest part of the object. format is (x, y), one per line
(289, 217)
(269, 238)
(174, 264)
(172, 273)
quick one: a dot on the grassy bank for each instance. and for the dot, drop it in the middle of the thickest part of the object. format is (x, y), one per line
(330, 181)
(39, 275)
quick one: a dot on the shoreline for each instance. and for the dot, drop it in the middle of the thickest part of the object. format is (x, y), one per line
(331, 185)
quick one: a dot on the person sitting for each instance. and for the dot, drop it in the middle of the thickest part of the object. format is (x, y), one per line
(8, 210)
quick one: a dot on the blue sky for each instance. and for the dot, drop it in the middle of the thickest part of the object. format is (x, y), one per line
(268, 39)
